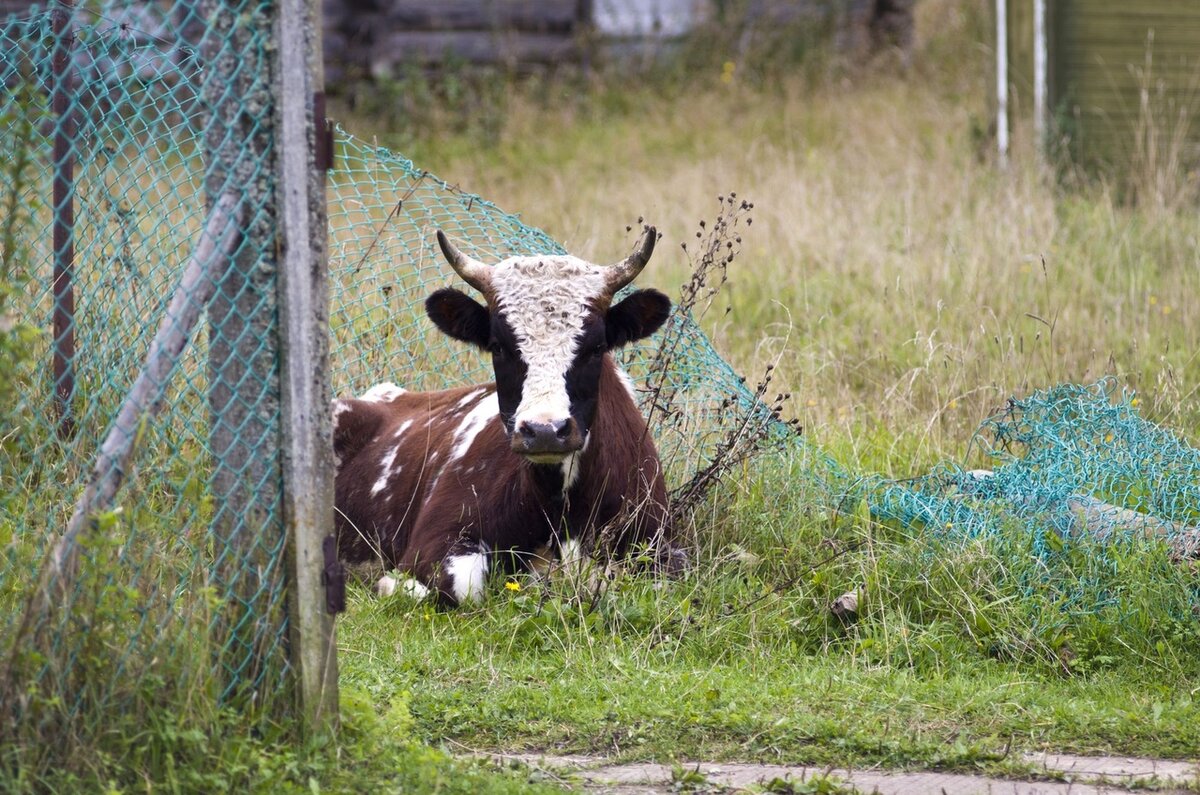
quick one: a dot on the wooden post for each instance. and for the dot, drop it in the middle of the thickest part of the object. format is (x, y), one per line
(304, 348)
(248, 571)
(1039, 77)
(1002, 81)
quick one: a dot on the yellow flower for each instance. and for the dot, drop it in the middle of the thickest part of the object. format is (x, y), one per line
(1153, 300)
(512, 585)
(1166, 310)
(727, 70)
(1108, 438)
(1135, 401)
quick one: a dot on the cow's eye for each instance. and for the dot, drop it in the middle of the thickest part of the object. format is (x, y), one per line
(498, 350)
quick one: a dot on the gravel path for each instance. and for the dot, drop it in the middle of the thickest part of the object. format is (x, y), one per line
(1076, 775)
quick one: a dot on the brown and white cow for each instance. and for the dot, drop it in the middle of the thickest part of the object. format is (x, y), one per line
(447, 486)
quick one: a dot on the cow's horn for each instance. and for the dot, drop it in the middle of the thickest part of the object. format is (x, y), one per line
(627, 269)
(472, 271)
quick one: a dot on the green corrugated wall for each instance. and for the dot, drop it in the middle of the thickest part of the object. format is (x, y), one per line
(1102, 55)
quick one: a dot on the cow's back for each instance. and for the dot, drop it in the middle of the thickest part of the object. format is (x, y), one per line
(392, 447)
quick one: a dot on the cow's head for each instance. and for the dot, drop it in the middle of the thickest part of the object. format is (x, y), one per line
(548, 323)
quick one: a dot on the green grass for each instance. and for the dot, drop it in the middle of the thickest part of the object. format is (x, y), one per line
(949, 665)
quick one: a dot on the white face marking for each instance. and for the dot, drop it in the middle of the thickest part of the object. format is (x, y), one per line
(385, 470)
(382, 393)
(545, 300)
(467, 573)
(474, 422)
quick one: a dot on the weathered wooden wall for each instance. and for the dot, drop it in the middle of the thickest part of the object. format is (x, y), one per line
(1112, 65)
(1105, 53)
(14, 7)
(376, 37)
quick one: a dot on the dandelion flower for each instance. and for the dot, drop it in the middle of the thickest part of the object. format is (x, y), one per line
(512, 585)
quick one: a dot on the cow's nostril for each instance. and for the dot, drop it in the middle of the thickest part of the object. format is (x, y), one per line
(562, 429)
(527, 430)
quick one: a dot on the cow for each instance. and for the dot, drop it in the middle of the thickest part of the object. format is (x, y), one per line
(551, 458)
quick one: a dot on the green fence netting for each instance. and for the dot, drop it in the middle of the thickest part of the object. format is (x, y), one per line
(136, 119)
(182, 592)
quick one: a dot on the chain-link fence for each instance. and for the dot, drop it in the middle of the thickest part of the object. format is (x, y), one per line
(144, 528)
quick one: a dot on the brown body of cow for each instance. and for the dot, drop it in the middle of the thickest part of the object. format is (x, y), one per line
(450, 486)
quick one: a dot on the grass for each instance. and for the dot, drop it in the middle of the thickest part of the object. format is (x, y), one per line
(948, 665)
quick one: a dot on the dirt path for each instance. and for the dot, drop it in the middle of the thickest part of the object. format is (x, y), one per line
(1076, 775)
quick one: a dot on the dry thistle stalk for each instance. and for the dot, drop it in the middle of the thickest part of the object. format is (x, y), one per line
(749, 420)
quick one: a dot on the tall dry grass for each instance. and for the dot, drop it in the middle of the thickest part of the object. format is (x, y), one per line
(911, 284)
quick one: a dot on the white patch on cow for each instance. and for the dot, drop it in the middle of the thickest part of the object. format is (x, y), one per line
(545, 300)
(385, 470)
(470, 398)
(571, 553)
(405, 586)
(340, 407)
(627, 382)
(474, 422)
(404, 426)
(414, 589)
(572, 464)
(382, 393)
(467, 573)
(386, 586)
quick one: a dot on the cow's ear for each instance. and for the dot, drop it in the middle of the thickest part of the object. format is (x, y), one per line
(459, 316)
(638, 316)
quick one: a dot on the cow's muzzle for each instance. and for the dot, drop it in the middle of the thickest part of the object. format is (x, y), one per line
(547, 442)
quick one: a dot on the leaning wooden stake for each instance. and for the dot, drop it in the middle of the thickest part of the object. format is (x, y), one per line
(203, 272)
(1103, 521)
(200, 278)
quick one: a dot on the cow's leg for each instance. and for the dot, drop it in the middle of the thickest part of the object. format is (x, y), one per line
(405, 584)
(454, 568)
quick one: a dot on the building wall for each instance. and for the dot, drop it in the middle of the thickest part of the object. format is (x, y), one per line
(1114, 65)
(1118, 65)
